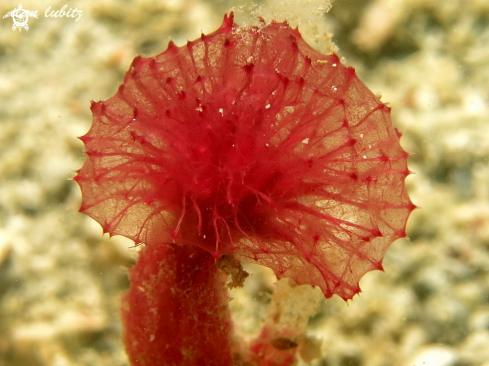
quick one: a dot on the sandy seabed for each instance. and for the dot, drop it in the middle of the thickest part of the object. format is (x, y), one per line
(61, 280)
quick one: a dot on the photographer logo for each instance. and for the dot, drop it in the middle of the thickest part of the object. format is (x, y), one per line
(20, 17)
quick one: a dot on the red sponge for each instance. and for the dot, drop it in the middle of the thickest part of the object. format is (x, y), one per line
(248, 141)
(176, 311)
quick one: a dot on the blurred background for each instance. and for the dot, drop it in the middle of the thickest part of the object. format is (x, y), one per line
(61, 279)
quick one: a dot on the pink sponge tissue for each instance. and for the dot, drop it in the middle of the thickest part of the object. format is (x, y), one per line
(247, 143)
